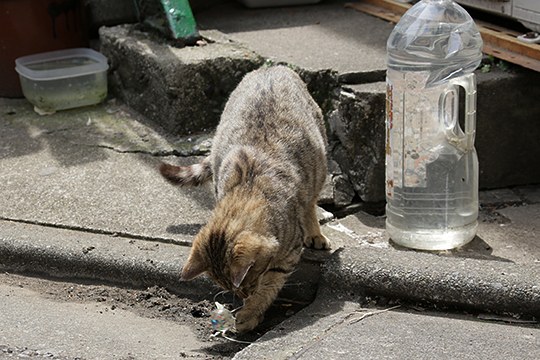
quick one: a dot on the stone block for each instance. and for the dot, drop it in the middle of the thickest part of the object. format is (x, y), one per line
(182, 89)
(357, 139)
(508, 127)
(507, 132)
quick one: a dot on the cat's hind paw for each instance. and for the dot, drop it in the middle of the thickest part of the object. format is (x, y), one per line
(319, 242)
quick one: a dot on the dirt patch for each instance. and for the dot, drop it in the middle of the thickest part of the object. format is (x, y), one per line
(153, 302)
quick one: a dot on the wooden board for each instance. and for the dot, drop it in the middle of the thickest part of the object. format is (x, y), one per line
(498, 42)
(384, 9)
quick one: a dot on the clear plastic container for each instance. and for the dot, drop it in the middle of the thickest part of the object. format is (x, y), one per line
(63, 79)
(431, 163)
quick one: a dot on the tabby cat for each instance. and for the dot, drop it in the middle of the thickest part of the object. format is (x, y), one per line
(268, 164)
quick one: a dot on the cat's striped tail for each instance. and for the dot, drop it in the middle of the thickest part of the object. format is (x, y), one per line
(194, 175)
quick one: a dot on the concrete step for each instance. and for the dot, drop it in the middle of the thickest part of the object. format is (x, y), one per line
(340, 53)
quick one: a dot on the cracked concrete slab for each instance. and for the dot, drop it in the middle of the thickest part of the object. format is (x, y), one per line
(326, 36)
(111, 126)
(94, 169)
(506, 235)
(335, 326)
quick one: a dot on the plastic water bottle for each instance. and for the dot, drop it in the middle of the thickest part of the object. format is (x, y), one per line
(431, 162)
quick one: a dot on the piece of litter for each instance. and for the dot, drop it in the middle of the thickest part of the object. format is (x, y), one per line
(365, 239)
(341, 228)
(43, 112)
(371, 313)
(222, 320)
(530, 38)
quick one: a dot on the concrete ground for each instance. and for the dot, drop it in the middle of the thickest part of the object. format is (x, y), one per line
(337, 327)
(81, 199)
(353, 42)
(85, 330)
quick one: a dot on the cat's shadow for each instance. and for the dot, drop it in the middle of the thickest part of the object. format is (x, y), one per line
(184, 229)
(300, 292)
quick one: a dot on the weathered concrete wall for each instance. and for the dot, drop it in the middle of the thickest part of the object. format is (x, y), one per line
(183, 89)
(508, 127)
(107, 13)
(357, 136)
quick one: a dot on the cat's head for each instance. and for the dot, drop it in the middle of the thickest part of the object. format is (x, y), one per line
(235, 261)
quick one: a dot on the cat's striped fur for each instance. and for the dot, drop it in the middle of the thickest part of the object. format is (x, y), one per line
(268, 164)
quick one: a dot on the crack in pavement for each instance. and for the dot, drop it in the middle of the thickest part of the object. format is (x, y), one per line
(99, 231)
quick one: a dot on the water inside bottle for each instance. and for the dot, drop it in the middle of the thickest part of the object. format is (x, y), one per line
(431, 179)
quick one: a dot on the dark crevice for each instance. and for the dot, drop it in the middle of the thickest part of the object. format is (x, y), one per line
(98, 231)
(371, 208)
(159, 153)
(357, 78)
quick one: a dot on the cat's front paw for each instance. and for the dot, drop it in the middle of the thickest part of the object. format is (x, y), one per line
(319, 242)
(247, 320)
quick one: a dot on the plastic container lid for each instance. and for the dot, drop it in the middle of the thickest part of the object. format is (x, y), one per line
(61, 64)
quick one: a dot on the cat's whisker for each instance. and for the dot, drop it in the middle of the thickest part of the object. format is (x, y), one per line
(221, 293)
(235, 310)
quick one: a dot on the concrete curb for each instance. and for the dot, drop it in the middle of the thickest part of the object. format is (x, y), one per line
(63, 253)
(72, 254)
(485, 285)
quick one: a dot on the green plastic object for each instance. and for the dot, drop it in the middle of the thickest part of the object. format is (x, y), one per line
(180, 18)
(172, 18)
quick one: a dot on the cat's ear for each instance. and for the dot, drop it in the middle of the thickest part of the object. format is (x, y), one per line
(194, 266)
(239, 272)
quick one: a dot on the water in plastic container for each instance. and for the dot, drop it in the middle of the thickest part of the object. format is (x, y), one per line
(431, 163)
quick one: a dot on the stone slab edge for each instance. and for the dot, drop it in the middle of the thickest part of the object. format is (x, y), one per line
(485, 285)
(69, 254)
